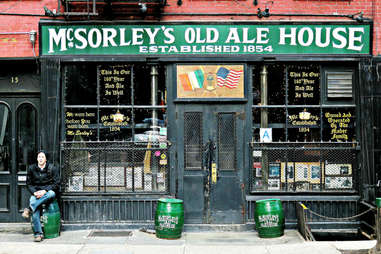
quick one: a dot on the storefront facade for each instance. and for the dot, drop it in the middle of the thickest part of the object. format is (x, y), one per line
(217, 114)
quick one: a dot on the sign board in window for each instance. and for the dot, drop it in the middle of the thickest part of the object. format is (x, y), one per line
(210, 81)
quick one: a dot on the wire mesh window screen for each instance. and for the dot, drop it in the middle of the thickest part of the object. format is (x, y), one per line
(300, 167)
(226, 141)
(114, 167)
(192, 140)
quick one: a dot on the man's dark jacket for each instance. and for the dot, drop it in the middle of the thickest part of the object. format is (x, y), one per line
(46, 179)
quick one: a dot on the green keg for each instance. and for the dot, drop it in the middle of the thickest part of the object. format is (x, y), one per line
(169, 218)
(269, 218)
(51, 220)
(378, 202)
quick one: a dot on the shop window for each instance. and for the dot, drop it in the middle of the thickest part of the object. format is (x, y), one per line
(304, 129)
(114, 138)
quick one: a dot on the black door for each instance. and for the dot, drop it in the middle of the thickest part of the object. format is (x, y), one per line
(210, 162)
(18, 147)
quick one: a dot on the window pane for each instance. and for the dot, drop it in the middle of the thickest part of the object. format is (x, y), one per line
(26, 136)
(303, 124)
(114, 84)
(5, 138)
(339, 125)
(276, 121)
(80, 84)
(143, 84)
(150, 125)
(276, 84)
(304, 85)
(80, 124)
(115, 124)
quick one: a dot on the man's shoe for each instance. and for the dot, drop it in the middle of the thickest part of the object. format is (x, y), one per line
(26, 213)
(38, 238)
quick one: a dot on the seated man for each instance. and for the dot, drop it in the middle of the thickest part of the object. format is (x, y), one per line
(43, 183)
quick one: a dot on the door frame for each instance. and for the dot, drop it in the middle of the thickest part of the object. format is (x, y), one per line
(212, 209)
(18, 193)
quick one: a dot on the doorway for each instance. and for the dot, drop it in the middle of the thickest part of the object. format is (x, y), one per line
(18, 146)
(210, 161)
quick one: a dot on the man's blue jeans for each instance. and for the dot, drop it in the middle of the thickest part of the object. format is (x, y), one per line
(34, 204)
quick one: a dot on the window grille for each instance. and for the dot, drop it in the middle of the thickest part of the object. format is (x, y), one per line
(125, 167)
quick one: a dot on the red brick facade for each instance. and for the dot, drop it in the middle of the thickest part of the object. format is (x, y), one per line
(15, 29)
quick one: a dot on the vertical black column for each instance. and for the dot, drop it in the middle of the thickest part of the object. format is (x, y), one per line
(364, 110)
(50, 107)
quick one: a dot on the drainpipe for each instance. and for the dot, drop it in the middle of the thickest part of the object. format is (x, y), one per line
(154, 82)
(264, 121)
(154, 85)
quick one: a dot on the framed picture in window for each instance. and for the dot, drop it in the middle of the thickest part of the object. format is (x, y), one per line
(315, 186)
(257, 169)
(274, 170)
(258, 184)
(288, 186)
(287, 175)
(210, 81)
(76, 183)
(338, 182)
(302, 186)
(338, 169)
(315, 172)
(273, 184)
(302, 171)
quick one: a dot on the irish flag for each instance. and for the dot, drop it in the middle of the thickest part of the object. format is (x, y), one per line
(192, 80)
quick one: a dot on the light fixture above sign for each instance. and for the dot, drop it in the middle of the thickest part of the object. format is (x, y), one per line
(304, 115)
(118, 117)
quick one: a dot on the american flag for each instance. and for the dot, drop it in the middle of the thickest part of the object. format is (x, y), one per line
(228, 78)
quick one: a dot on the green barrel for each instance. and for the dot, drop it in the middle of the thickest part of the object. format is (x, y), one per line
(51, 219)
(378, 202)
(169, 218)
(269, 218)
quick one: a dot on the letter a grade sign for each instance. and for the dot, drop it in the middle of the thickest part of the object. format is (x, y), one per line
(266, 135)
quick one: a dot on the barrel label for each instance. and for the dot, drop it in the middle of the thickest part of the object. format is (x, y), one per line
(167, 221)
(267, 221)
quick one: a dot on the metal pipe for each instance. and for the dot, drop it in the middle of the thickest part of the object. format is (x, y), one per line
(6, 33)
(255, 14)
(22, 14)
(154, 82)
(264, 122)
(264, 101)
(350, 16)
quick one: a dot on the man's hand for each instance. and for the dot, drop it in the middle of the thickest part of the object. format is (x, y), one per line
(39, 194)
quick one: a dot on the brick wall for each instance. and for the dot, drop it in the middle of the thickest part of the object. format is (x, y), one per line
(18, 45)
(14, 29)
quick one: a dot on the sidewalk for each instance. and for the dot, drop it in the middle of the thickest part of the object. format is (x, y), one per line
(135, 241)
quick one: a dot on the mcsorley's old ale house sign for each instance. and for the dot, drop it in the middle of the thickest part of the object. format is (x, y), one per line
(175, 39)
